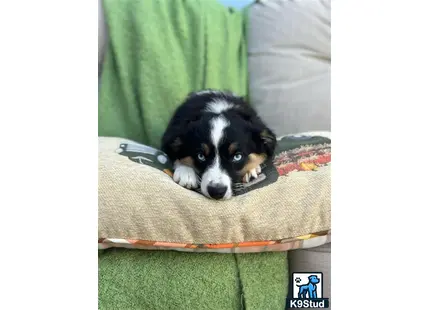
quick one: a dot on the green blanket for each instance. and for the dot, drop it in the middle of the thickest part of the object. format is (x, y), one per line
(163, 280)
(161, 50)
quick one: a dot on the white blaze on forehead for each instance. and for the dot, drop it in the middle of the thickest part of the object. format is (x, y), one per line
(218, 124)
(218, 106)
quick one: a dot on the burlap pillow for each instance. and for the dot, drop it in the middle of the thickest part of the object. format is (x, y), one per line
(287, 207)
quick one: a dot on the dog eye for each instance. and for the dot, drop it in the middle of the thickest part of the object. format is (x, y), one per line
(201, 157)
(237, 157)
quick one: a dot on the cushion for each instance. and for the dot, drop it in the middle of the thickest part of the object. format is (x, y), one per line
(287, 207)
(289, 64)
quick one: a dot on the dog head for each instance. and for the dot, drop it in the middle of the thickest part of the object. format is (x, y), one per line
(221, 137)
(313, 279)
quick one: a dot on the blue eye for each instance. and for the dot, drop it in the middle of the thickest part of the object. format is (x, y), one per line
(237, 157)
(201, 157)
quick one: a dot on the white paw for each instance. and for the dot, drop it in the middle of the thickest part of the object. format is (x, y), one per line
(253, 173)
(185, 176)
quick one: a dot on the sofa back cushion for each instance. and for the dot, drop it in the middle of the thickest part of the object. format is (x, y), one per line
(289, 63)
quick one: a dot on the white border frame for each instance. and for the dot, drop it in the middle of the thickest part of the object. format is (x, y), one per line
(48, 161)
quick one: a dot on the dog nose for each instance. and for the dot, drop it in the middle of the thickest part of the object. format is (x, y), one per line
(217, 191)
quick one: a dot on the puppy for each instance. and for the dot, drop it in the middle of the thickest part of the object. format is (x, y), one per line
(215, 140)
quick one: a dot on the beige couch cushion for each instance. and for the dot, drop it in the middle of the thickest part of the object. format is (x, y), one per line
(289, 63)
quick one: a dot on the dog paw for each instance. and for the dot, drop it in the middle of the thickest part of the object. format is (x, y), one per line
(185, 176)
(251, 174)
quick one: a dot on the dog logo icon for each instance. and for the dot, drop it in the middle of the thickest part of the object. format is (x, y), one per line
(308, 290)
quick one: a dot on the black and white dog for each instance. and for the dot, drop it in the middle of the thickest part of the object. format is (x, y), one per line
(215, 140)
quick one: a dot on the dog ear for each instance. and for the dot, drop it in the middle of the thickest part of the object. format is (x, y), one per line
(172, 143)
(264, 137)
(268, 138)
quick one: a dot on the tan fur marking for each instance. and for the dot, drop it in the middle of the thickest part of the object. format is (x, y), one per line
(187, 161)
(232, 148)
(205, 149)
(254, 160)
